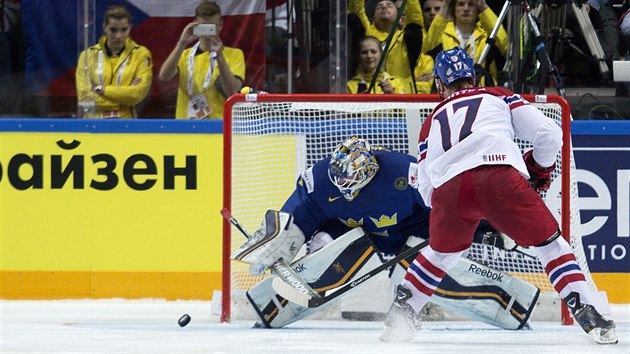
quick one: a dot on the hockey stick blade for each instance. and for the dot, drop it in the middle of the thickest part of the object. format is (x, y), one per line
(299, 297)
(280, 268)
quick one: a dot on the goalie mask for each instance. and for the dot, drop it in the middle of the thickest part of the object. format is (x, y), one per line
(352, 166)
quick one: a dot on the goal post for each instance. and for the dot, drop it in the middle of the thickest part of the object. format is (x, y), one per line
(270, 138)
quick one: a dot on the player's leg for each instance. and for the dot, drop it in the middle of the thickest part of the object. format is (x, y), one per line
(452, 224)
(525, 218)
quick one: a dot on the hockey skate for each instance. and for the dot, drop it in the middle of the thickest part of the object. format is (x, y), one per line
(594, 324)
(402, 322)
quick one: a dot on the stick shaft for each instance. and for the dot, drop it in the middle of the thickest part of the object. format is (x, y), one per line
(228, 216)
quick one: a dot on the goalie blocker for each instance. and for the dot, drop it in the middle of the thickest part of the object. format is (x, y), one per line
(469, 289)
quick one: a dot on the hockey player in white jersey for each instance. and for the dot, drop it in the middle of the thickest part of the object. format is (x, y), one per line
(469, 169)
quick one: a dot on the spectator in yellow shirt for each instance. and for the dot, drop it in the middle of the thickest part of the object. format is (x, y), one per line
(423, 73)
(370, 52)
(467, 24)
(397, 59)
(114, 75)
(209, 72)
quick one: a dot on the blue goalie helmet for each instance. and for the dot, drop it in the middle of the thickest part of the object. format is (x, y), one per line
(452, 65)
(352, 166)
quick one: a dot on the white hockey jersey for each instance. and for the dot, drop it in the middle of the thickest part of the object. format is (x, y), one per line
(477, 126)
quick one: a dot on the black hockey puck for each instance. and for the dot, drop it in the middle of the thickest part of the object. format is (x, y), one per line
(184, 320)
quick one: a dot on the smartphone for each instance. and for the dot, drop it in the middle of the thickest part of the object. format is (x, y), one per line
(205, 30)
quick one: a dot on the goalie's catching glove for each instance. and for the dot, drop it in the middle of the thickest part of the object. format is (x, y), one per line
(539, 179)
(278, 237)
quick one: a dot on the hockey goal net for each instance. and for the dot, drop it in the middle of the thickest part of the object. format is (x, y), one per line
(269, 139)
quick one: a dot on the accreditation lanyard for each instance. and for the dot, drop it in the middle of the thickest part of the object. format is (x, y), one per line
(99, 69)
(470, 42)
(191, 65)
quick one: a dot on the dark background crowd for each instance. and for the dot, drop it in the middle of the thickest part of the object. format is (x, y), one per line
(591, 94)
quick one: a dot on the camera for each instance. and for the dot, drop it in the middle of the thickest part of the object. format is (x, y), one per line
(205, 30)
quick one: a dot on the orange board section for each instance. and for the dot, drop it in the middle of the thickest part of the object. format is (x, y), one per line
(97, 285)
(616, 286)
(175, 285)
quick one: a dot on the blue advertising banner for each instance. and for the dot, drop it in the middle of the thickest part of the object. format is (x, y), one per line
(602, 158)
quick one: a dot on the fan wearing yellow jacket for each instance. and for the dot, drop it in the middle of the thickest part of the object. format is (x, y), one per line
(466, 24)
(423, 73)
(385, 13)
(370, 52)
(114, 75)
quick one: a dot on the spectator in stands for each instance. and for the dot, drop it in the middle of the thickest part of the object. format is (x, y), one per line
(370, 52)
(423, 65)
(401, 56)
(209, 72)
(114, 75)
(467, 24)
(423, 73)
(430, 8)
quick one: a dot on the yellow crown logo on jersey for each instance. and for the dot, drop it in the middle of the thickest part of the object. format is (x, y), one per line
(385, 221)
(352, 223)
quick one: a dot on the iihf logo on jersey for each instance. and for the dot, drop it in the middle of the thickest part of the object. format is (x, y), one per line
(494, 157)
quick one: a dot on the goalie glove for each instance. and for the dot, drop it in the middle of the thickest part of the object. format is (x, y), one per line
(277, 238)
(539, 179)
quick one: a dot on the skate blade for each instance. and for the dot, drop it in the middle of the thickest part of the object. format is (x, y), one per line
(604, 336)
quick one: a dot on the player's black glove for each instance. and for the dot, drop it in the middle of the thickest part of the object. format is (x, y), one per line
(539, 179)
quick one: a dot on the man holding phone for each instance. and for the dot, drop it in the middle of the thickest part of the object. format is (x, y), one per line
(209, 72)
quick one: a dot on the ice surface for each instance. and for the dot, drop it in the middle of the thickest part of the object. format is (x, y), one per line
(150, 326)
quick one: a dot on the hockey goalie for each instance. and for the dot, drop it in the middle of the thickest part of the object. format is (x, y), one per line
(354, 211)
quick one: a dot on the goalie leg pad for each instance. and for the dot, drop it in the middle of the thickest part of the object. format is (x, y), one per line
(344, 259)
(487, 295)
(483, 294)
(277, 238)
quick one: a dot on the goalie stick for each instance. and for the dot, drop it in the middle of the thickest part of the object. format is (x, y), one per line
(295, 295)
(280, 267)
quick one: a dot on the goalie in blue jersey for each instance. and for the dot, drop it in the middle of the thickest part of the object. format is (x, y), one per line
(352, 212)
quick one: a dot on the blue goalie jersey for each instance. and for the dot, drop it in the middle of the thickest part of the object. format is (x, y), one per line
(389, 208)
